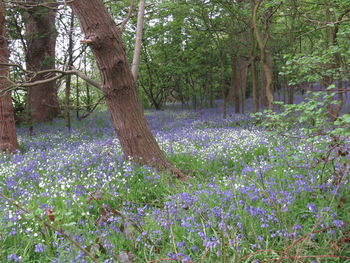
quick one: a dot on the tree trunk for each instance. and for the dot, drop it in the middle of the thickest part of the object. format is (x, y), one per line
(138, 41)
(41, 41)
(8, 137)
(234, 92)
(290, 97)
(243, 74)
(265, 57)
(119, 87)
(69, 77)
(254, 72)
(255, 86)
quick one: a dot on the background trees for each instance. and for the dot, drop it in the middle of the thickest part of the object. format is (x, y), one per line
(40, 34)
(193, 54)
(8, 138)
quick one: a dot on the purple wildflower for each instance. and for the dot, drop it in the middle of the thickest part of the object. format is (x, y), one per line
(39, 248)
(14, 258)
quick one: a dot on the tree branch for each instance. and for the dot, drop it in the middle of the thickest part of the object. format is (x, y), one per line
(325, 26)
(48, 71)
(128, 16)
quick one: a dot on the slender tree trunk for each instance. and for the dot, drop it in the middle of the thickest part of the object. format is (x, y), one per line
(255, 86)
(119, 87)
(333, 110)
(138, 41)
(77, 99)
(234, 92)
(290, 98)
(243, 74)
(8, 137)
(254, 72)
(69, 77)
(41, 41)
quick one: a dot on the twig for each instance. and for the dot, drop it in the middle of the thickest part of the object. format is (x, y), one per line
(316, 256)
(165, 259)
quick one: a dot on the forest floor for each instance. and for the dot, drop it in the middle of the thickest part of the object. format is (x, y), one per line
(252, 196)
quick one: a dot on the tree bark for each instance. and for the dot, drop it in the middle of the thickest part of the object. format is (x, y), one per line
(119, 87)
(254, 72)
(255, 86)
(69, 77)
(235, 91)
(265, 57)
(290, 98)
(138, 41)
(8, 137)
(41, 41)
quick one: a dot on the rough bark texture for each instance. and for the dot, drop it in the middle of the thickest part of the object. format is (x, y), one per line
(8, 137)
(41, 41)
(119, 87)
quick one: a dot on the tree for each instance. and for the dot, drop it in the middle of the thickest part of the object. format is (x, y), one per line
(8, 137)
(138, 40)
(265, 55)
(119, 88)
(41, 41)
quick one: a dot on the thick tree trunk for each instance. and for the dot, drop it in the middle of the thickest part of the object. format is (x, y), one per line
(41, 41)
(8, 137)
(119, 87)
(138, 41)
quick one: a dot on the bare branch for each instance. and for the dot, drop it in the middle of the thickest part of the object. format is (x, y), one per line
(33, 74)
(128, 16)
(325, 26)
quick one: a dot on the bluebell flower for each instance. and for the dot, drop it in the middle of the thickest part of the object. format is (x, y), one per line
(312, 208)
(338, 223)
(39, 248)
(14, 258)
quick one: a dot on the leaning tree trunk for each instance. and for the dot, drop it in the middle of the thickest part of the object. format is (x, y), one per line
(119, 87)
(41, 41)
(8, 137)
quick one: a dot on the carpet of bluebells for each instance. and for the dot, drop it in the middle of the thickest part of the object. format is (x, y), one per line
(252, 197)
